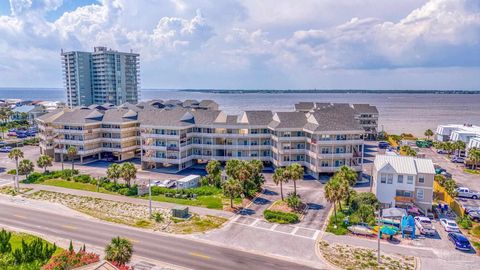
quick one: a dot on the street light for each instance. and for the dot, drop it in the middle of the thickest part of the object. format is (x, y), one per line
(150, 197)
(379, 214)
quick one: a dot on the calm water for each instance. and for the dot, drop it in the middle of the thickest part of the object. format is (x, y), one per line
(398, 112)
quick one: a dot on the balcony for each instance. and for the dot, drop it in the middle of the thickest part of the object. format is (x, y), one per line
(163, 136)
(337, 142)
(228, 135)
(404, 199)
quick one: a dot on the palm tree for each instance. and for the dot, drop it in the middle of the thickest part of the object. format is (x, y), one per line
(25, 167)
(231, 167)
(348, 174)
(332, 194)
(114, 172)
(474, 157)
(44, 161)
(128, 172)
(214, 172)
(428, 133)
(459, 146)
(232, 189)
(279, 178)
(295, 172)
(16, 154)
(72, 153)
(244, 175)
(119, 250)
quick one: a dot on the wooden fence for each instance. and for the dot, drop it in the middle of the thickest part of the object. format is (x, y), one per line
(441, 194)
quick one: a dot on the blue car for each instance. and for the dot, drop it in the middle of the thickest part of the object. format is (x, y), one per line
(460, 241)
(21, 135)
(383, 145)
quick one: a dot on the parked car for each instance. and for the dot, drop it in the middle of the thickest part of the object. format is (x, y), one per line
(460, 241)
(11, 134)
(449, 225)
(457, 159)
(438, 169)
(467, 193)
(21, 135)
(424, 224)
(167, 183)
(447, 175)
(441, 151)
(30, 133)
(474, 215)
(6, 149)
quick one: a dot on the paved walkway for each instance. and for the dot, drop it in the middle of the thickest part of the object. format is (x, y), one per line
(119, 198)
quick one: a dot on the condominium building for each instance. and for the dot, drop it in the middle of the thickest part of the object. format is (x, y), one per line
(400, 181)
(101, 76)
(365, 114)
(178, 135)
(455, 132)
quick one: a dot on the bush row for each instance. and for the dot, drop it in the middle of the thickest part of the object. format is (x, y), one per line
(280, 217)
(199, 191)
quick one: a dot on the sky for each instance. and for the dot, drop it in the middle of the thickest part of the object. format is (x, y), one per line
(251, 44)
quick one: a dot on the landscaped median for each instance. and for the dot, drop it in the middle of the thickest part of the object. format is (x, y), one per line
(205, 196)
(350, 258)
(281, 212)
(131, 214)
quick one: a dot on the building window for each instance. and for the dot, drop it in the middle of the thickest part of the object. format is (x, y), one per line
(421, 179)
(420, 194)
(324, 163)
(383, 178)
(400, 179)
(390, 179)
(410, 179)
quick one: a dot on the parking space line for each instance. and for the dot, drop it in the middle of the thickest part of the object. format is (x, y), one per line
(272, 229)
(295, 229)
(315, 235)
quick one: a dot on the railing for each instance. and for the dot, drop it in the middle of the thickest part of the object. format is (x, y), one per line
(404, 199)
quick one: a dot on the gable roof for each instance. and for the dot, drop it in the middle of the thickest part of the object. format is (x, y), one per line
(404, 164)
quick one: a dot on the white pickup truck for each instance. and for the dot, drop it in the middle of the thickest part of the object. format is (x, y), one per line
(467, 193)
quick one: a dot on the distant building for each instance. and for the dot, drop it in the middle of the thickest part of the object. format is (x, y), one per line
(455, 133)
(402, 181)
(101, 76)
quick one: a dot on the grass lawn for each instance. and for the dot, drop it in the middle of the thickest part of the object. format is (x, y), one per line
(74, 185)
(16, 240)
(341, 228)
(212, 202)
(470, 171)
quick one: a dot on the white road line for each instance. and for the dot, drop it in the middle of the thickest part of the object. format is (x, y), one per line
(255, 222)
(315, 235)
(294, 230)
(273, 227)
(270, 229)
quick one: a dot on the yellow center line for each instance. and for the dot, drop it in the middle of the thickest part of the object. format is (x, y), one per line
(69, 227)
(199, 255)
(20, 216)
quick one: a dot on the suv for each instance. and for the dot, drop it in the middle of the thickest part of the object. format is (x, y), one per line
(457, 159)
(474, 215)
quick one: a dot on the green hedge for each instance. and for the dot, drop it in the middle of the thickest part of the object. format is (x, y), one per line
(280, 217)
(199, 191)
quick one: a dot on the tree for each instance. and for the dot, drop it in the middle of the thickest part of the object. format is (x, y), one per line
(232, 189)
(474, 157)
(214, 173)
(243, 174)
(5, 245)
(428, 133)
(25, 167)
(231, 167)
(408, 151)
(44, 161)
(295, 172)
(72, 153)
(459, 146)
(128, 172)
(16, 154)
(114, 172)
(348, 174)
(119, 250)
(256, 167)
(332, 193)
(279, 178)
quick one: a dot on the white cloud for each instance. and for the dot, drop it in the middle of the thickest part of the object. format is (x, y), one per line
(222, 42)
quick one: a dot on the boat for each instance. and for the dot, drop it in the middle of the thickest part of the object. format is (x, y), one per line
(360, 230)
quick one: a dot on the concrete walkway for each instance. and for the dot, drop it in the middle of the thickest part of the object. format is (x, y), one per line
(120, 198)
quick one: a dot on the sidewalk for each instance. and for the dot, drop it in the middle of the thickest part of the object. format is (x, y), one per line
(119, 198)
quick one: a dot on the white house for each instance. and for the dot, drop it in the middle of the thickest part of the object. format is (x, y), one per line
(457, 133)
(402, 181)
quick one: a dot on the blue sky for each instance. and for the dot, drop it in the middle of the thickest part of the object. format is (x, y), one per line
(236, 44)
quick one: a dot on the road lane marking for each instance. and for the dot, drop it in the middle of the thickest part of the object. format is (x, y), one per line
(132, 240)
(199, 255)
(20, 216)
(70, 227)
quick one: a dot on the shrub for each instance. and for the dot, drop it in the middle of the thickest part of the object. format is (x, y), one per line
(71, 260)
(293, 200)
(476, 231)
(158, 217)
(128, 191)
(280, 217)
(465, 222)
(82, 178)
(362, 198)
(33, 177)
(200, 191)
(12, 172)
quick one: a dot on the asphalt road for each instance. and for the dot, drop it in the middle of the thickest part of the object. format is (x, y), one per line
(173, 250)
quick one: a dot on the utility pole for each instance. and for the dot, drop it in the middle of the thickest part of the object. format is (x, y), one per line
(379, 235)
(150, 197)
